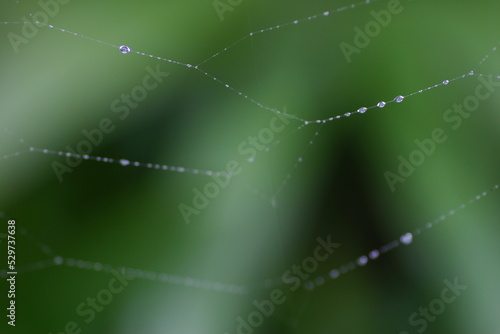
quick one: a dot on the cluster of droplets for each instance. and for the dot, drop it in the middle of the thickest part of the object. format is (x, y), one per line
(405, 239)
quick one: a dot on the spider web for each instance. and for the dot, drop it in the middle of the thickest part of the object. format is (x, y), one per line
(192, 124)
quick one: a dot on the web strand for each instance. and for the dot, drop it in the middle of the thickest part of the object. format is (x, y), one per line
(318, 281)
(127, 162)
(324, 14)
(55, 260)
(363, 110)
(405, 239)
(122, 162)
(189, 282)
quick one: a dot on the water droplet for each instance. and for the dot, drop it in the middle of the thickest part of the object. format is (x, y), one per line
(406, 239)
(381, 104)
(362, 110)
(347, 114)
(399, 99)
(471, 73)
(125, 49)
(334, 273)
(362, 260)
(326, 13)
(124, 162)
(446, 82)
(374, 254)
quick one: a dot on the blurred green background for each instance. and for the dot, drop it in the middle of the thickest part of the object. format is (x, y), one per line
(59, 84)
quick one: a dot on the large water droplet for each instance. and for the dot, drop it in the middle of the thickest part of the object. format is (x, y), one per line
(381, 104)
(446, 82)
(362, 110)
(399, 98)
(125, 49)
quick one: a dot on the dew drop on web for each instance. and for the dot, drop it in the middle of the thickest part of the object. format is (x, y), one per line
(125, 49)
(406, 239)
(124, 162)
(399, 99)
